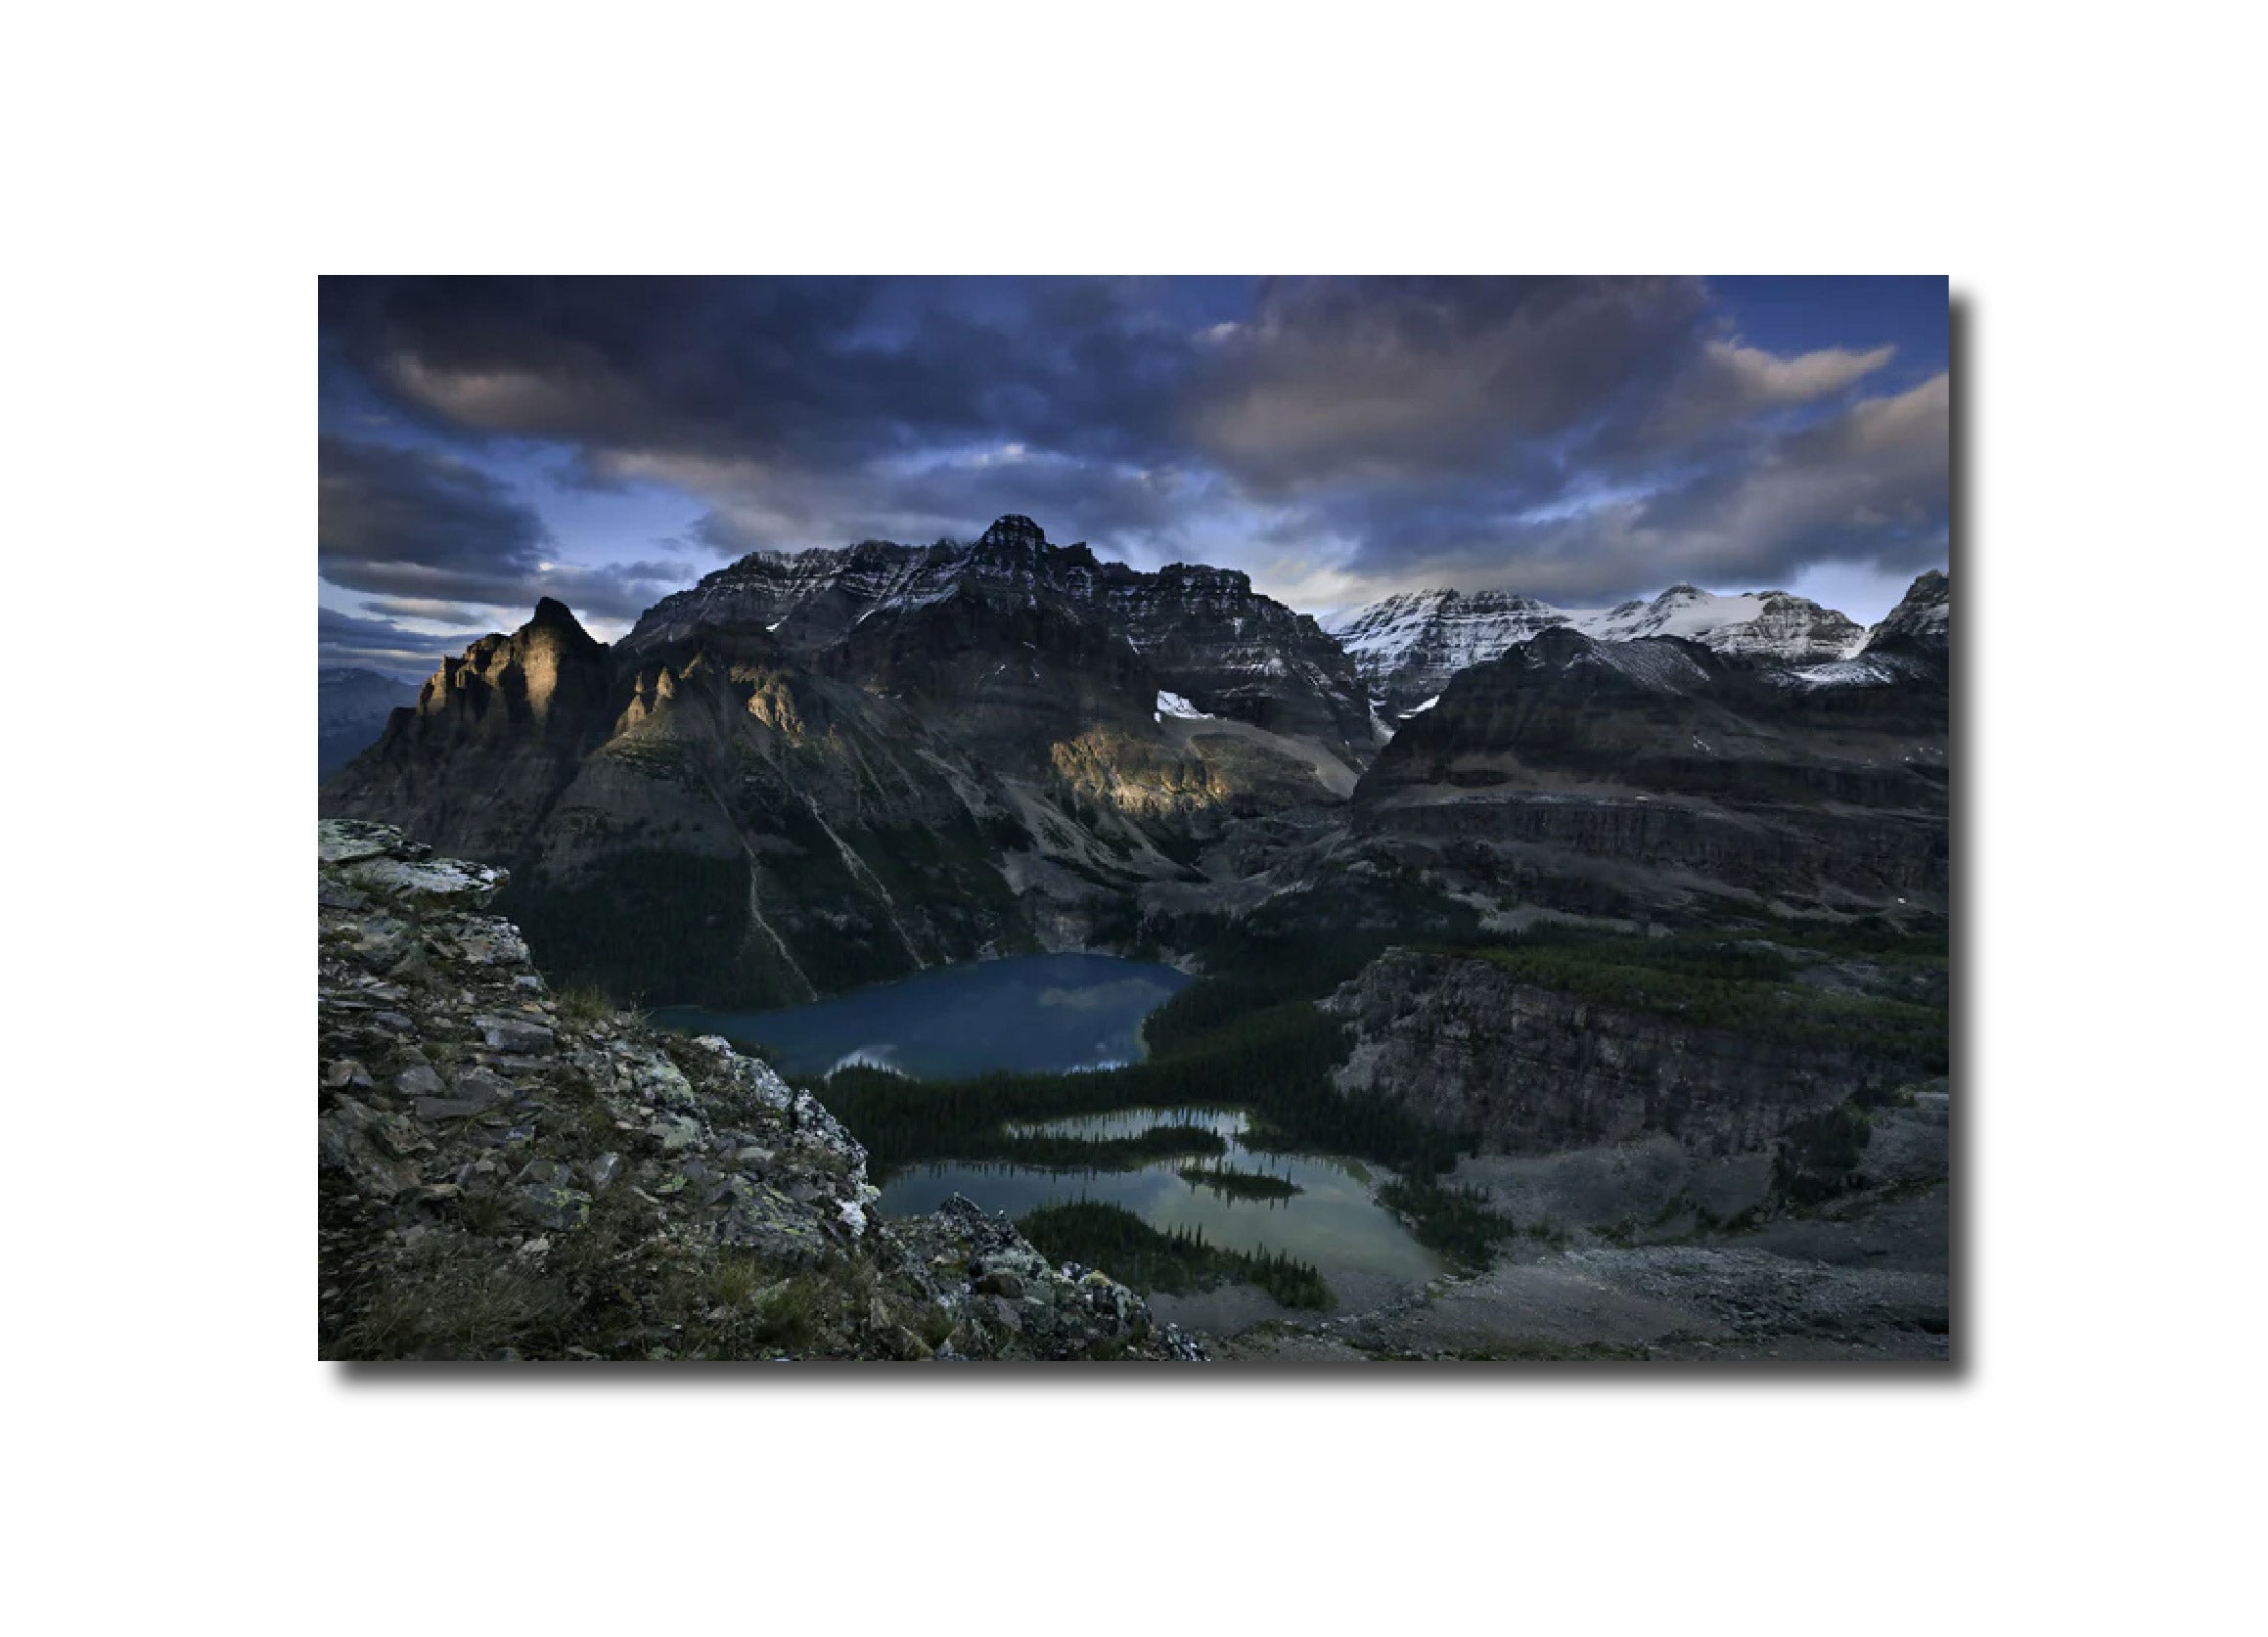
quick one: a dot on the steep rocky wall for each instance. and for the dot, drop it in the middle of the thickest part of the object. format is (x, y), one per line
(1468, 1047)
(507, 1174)
(1833, 856)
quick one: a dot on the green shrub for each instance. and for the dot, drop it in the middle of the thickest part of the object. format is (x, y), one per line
(1454, 1220)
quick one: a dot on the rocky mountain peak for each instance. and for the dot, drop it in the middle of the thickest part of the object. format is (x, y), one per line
(1923, 619)
(1013, 532)
(552, 615)
(1557, 645)
(1656, 665)
(1233, 581)
(1407, 646)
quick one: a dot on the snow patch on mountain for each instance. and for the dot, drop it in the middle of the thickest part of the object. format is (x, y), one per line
(1835, 673)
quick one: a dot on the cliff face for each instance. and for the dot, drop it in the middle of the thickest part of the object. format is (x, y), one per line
(1471, 1048)
(505, 1173)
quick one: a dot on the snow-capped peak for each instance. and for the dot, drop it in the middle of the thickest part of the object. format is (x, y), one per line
(1774, 625)
(1407, 647)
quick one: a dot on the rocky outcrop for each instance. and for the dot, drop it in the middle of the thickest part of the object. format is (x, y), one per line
(508, 1173)
(1468, 1047)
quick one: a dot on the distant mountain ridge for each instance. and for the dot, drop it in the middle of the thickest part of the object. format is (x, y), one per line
(351, 707)
(1407, 647)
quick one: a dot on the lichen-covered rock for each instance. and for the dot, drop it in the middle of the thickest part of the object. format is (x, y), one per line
(505, 1176)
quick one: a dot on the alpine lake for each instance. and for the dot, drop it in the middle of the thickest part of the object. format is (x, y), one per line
(1183, 1170)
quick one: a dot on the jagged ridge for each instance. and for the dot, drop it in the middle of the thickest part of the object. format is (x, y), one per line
(1205, 633)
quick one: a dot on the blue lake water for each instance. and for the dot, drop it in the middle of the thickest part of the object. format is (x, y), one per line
(1033, 1013)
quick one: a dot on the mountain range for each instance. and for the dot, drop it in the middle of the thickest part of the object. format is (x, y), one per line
(819, 769)
(1407, 647)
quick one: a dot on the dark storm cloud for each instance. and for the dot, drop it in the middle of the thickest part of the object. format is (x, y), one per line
(1582, 438)
(1417, 377)
(383, 507)
(343, 639)
(821, 372)
(426, 533)
(1867, 483)
(1871, 484)
(1578, 439)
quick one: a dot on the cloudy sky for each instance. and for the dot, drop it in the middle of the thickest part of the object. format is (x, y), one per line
(484, 443)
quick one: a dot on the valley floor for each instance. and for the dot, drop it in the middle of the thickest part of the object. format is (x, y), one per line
(1734, 1299)
(1863, 1277)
